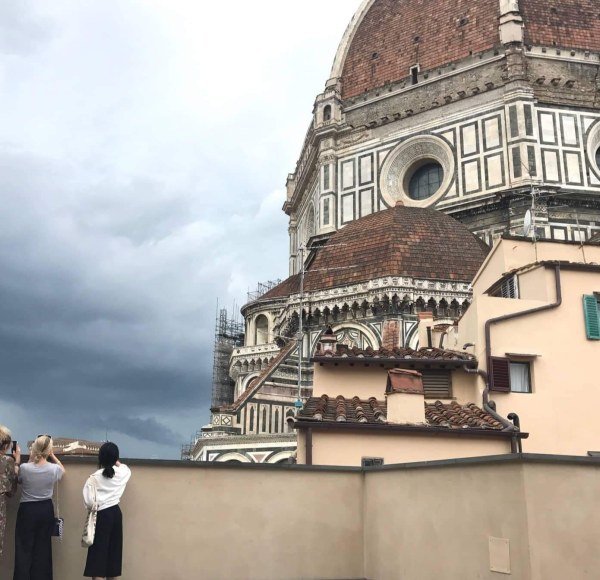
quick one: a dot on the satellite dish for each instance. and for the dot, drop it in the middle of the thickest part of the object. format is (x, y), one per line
(527, 223)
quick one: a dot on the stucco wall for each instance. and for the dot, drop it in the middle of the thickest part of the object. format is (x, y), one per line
(220, 523)
(424, 523)
(342, 448)
(415, 522)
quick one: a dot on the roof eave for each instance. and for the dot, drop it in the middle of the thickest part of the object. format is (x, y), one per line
(303, 424)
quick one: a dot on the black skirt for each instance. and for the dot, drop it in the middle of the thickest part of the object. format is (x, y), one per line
(33, 546)
(105, 555)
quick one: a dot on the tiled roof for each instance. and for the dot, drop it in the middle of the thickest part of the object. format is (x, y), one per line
(396, 354)
(446, 415)
(400, 241)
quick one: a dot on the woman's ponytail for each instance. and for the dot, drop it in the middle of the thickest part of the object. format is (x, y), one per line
(109, 472)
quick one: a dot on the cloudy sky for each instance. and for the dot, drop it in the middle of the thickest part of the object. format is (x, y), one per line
(144, 146)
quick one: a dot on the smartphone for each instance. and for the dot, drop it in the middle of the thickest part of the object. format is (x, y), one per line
(14, 447)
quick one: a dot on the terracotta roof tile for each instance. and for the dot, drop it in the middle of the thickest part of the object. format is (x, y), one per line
(400, 354)
(400, 241)
(355, 410)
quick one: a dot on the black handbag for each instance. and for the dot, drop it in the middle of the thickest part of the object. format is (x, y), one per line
(59, 523)
(57, 530)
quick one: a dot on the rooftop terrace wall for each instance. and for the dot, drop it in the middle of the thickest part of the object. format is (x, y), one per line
(420, 521)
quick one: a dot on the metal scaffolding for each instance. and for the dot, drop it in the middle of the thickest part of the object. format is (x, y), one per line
(262, 288)
(229, 333)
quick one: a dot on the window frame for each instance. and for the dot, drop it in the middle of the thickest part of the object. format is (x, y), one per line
(529, 381)
(500, 375)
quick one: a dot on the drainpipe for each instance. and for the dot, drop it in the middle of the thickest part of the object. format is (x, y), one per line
(515, 444)
(517, 422)
(488, 324)
(309, 447)
(487, 404)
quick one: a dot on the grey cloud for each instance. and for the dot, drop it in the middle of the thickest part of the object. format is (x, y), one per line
(22, 31)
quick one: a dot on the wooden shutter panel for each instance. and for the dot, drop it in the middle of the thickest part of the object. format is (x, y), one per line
(437, 384)
(592, 321)
(500, 375)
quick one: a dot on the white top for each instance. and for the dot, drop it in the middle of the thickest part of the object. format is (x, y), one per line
(38, 481)
(108, 491)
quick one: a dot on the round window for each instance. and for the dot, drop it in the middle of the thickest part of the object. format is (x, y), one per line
(598, 157)
(425, 181)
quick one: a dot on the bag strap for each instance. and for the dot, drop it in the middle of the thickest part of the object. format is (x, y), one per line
(56, 503)
(92, 483)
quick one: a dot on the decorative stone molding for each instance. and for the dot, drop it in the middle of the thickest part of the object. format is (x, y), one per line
(593, 144)
(403, 161)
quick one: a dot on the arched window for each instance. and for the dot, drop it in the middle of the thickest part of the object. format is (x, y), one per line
(264, 420)
(276, 422)
(251, 423)
(261, 333)
(327, 113)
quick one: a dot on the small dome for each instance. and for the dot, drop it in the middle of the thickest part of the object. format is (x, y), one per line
(400, 241)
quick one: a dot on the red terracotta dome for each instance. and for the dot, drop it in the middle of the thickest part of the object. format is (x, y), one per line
(400, 241)
(387, 37)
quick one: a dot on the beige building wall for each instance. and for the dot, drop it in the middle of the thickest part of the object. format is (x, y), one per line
(434, 524)
(349, 381)
(344, 448)
(559, 414)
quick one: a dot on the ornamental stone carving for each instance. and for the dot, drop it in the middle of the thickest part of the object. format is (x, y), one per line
(403, 161)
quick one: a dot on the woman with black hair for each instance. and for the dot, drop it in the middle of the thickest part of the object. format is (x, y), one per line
(104, 558)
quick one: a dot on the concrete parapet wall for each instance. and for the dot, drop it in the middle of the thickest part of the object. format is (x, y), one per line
(413, 521)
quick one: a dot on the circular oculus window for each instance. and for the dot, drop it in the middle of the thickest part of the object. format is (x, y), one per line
(425, 180)
(419, 171)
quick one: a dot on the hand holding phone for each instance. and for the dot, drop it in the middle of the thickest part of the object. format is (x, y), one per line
(14, 447)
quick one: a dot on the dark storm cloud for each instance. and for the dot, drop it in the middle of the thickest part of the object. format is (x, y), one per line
(140, 180)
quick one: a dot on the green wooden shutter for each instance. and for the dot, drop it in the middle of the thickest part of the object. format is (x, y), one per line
(592, 318)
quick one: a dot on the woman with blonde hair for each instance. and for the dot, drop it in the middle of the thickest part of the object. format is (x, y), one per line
(35, 518)
(9, 468)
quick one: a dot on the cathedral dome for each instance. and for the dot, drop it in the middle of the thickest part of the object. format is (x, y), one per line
(388, 38)
(401, 241)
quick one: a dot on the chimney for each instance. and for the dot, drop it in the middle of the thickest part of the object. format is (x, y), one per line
(425, 329)
(391, 334)
(405, 397)
(328, 341)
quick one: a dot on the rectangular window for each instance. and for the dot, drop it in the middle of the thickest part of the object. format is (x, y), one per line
(513, 121)
(520, 377)
(528, 120)
(371, 461)
(531, 161)
(508, 376)
(591, 313)
(414, 74)
(516, 157)
(325, 212)
(326, 177)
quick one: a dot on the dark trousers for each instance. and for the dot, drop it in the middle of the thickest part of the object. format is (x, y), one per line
(33, 541)
(105, 555)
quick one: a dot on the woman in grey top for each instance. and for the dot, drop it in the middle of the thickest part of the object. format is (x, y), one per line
(35, 518)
